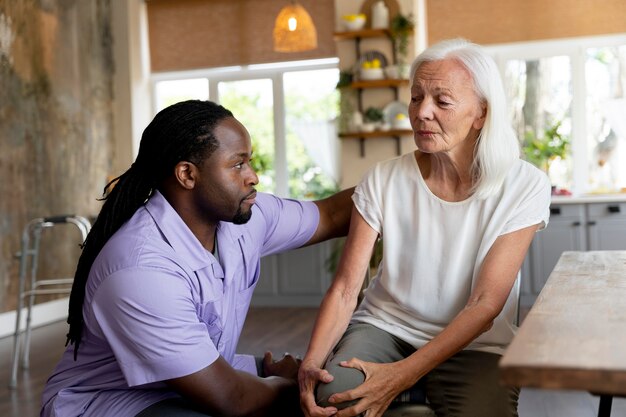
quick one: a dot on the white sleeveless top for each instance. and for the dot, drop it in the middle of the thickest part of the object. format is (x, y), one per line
(433, 249)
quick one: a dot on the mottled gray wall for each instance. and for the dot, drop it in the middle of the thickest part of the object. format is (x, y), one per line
(56, 75)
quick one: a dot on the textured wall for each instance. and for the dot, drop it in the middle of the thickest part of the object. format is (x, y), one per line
(504, 21)
(188, 34)
(55, 124)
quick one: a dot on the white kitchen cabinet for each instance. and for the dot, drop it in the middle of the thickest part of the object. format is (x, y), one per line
(606, 226)
(573, 227)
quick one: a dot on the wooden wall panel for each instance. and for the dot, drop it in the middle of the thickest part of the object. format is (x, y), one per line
(55, 124)
(188, 34)
(504, 21)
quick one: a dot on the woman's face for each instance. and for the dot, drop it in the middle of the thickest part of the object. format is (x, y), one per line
(445, 112)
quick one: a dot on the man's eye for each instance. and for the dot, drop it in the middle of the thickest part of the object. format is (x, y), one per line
(239, 165)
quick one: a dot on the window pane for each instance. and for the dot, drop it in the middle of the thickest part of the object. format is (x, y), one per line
(252, 103)
(170, 92)
(311, 105)
(540, 95)
(606, 118)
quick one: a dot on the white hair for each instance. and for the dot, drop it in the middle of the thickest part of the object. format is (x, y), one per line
(498, 146)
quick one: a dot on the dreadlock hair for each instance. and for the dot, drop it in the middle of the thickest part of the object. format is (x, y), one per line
(180, 132)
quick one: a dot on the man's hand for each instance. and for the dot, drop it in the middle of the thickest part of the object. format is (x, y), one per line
(287, 367)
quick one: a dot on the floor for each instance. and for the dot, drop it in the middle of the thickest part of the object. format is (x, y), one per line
(276, 329)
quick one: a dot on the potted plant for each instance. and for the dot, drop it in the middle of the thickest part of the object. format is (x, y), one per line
(541, 151)
(401, 28)
(373, 118)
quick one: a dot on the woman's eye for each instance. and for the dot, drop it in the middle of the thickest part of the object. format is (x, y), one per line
(239, 165)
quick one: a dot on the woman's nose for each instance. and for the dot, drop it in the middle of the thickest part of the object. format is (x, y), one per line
(425, 109)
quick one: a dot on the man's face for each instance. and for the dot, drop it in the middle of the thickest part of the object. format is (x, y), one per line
(225, 189)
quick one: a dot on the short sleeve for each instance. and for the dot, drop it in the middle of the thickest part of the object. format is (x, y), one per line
(367, 199)
(534, 205)
(287, 224)
(152, 340)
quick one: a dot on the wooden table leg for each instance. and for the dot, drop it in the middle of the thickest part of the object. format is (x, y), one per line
(605, 406)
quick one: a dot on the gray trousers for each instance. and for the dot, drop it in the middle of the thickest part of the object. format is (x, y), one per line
(464, 385)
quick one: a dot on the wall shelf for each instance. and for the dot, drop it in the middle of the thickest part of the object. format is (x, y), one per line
(383, 83)
(363, 33)
(377, 134)
(359, 85)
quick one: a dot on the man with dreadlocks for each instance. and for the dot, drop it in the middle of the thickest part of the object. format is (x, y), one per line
(166, 274)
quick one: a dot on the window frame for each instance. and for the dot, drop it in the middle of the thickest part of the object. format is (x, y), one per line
(575, 49)
(273, 72)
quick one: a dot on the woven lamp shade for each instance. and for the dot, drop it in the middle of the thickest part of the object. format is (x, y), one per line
(294, 30)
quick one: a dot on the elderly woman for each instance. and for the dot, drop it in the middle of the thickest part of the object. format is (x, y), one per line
(456, 217)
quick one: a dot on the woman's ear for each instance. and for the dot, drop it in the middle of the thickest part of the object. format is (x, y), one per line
(186, 173)
(480, 121)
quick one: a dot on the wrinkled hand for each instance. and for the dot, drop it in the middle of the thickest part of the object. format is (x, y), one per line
(309, 376)
(287, 367)
(383, 382)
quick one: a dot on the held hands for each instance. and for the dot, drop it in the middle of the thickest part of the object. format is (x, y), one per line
(308, 378)
(287, 367)
(383, 383)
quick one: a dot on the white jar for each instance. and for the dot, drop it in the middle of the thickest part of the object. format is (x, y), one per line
(380, 15)
(356, 121)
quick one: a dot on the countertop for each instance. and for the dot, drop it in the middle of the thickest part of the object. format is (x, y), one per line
(590, 198)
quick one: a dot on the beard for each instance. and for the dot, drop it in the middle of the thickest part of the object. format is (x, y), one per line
(242, 217)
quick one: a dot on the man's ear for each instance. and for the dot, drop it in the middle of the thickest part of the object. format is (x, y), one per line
(185, 174)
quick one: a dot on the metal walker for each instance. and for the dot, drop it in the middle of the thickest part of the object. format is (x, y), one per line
(29, 257)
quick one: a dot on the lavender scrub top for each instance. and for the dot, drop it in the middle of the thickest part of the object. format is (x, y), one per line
(158, 305)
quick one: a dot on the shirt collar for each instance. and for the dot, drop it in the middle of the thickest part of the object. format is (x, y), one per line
(177, 233)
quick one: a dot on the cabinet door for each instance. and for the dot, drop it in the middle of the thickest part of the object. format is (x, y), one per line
(295, 278)
(607, 226)
(565, 232)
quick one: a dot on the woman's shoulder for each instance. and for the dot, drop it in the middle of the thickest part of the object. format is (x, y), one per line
(524, 176)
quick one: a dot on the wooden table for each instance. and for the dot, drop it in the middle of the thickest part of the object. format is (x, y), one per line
(574, 337)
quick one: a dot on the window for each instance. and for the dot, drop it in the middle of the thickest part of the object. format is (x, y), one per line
(570, 95)
(289, 110)
(252, 103)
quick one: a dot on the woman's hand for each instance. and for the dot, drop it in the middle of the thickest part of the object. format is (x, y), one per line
(308, 378)
(383, 382)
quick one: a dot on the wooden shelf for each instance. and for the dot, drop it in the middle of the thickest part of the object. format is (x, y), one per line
(383, 83)
(363, 33)
(376, 134)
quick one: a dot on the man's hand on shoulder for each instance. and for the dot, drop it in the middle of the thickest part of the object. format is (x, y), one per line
(335, 214)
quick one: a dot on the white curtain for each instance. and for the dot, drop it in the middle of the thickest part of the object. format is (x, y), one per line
(614, 111)
(321, 143)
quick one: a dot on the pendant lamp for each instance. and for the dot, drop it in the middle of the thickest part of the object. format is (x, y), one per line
(294, 30)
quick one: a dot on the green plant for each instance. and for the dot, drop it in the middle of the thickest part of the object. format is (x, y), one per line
(401, 28)
(373, 114)
(540, 151)
(345, 79)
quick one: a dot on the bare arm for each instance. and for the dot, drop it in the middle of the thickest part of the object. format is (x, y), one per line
(334, 216)
(221, 390)
(496, 278)
(336, 309)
